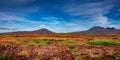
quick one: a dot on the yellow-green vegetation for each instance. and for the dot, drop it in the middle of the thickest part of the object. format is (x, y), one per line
(38, 42)
(117, 58)
(67, 42)
(45, 42)
(102, 42)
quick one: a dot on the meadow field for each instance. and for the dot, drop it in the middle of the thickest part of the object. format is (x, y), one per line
(59, 47)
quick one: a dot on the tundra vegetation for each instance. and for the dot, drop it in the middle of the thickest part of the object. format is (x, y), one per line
(59, 47)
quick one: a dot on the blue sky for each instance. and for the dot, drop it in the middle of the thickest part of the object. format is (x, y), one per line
(58, 15)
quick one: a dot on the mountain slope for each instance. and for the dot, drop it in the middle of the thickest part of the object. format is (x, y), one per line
(43, 31)
(40, 31)
(97, 30)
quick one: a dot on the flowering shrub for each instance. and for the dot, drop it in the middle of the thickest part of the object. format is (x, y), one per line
(59, 51)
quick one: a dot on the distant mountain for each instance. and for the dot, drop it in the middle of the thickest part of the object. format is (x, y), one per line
(40, 31)
(43, 31)
(97, 30)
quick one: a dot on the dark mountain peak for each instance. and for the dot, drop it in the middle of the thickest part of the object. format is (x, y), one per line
(39, 31)
(43, 30)
(97, 28)
(111, 28)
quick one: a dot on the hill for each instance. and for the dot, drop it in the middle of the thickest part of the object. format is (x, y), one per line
(97, 30)
(39, 31)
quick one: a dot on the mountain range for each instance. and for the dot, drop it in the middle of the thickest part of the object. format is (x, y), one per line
(97, 30)
(39, 31)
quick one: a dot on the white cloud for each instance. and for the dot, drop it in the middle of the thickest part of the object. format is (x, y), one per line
(49, 18)
(42, 26)
(10, 17)
(21, 23)
(55, 22)
(70, 29)
(18, 22)
(52, 20)
(93, 10)
(100, 20)
(13, 18)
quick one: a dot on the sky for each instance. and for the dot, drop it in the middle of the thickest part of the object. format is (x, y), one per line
(58, 15)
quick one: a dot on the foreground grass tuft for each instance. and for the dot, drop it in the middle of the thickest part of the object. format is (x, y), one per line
(102, 43)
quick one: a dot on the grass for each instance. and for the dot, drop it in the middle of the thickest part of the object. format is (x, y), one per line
(102, 43)
(44, 42)
(38, 42)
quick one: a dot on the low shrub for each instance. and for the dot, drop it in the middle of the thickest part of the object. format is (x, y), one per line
(102, 42)
(45, 42)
